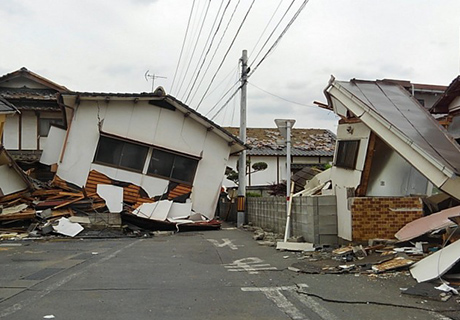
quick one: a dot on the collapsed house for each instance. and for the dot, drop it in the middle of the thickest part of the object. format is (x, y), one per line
(26, 132)
(390, 154)
(153, 152)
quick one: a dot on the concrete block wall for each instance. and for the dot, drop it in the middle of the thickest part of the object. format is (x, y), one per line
(314, 218)
(382, 217)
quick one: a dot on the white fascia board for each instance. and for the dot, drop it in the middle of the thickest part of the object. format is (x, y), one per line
(430, 167)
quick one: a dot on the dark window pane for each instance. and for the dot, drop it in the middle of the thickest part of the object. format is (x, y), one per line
(133, 156)
(161, 163)
(45, 124)
(109, 151)
(347, 152)
(184, 169)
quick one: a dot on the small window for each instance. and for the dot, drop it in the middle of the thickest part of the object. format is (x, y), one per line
(172, 166)
(120, 153)
(45, 125)
(347, 153)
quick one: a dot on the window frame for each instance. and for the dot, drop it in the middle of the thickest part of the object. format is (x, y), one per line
(175, 153)
(147, 159)
(119, 166)
(341, 157)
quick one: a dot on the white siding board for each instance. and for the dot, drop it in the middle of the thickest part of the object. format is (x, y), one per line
(208, 179)
(117, 118)
(10, 181)
(81, 146)
(52, 154)
(143, 122)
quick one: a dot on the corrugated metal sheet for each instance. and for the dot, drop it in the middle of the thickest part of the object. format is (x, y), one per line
(401, 111)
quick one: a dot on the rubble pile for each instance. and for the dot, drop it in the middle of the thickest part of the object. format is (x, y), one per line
(49, 208)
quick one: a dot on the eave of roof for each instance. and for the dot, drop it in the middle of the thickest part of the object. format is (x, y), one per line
(159, 94)
(442, 104)
(24, 72)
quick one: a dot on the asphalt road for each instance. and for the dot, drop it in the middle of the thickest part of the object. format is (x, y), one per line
(197, 275)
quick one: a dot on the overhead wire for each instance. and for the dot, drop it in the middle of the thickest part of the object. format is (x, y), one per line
(226, 102)
(218, 45)
(302, 6)
(221, 98)
(183, 44)
(209, 47)
(196, 44)
(287, 100)
(226, 53)
(274, 29)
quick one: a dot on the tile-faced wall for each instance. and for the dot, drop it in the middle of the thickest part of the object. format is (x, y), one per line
(382, 217)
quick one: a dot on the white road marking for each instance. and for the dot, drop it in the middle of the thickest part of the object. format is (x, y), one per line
(275, 295)
(252, 265)
(311, 304)
(226, 243)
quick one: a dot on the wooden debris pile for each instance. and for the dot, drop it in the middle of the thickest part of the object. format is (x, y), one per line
(36, 211)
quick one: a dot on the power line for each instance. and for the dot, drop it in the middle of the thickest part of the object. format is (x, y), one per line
(221, 98)
(209, 48)
(280, 36)
(183, 44)
(274, 29)
(226, 102)
(217, 48)
(225, 56)
(287, 100)
(194, 47)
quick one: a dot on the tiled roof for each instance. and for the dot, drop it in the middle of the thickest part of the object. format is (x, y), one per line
(28, 93)
(304, 142)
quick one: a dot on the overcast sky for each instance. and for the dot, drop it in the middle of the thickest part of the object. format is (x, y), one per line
(107, 46)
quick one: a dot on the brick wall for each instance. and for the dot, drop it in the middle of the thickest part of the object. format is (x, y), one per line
(382, 217)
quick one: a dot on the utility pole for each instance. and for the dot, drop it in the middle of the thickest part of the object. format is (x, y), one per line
(240, 219)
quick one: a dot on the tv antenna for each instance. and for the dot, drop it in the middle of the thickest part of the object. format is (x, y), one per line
(148, 76)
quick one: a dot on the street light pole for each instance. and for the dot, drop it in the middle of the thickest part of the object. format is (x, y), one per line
(285, 126)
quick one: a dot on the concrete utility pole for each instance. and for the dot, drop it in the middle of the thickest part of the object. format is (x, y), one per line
(242, 160)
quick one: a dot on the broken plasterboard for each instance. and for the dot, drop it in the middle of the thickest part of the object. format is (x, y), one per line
(295, 246)
(180, 210)
(68, 228)
(427, 224)
(436, 264)
(112, 195)
(156, 211)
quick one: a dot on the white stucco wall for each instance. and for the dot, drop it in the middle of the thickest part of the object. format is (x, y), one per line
(392, 175)
(11, 132)
(154, 126)
(347, 178)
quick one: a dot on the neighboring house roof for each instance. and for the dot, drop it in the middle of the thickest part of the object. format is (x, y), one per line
(160, 99)
(452, 92)
(420, 87)
(24, 72)
(396, 117)
(27, 98)
(6, 107)
(304, 142)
